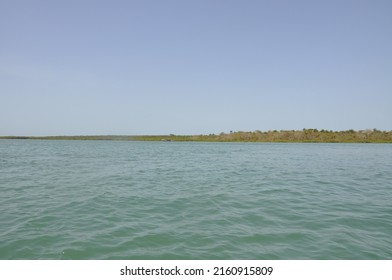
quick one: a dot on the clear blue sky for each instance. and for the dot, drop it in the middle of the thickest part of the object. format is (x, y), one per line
(80, 67)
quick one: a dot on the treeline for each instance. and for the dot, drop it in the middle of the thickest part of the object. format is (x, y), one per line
(305, 136)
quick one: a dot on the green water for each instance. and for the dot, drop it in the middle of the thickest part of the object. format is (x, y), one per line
(168, 200)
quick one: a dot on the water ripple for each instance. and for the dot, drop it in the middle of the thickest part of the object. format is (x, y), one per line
(142, 200)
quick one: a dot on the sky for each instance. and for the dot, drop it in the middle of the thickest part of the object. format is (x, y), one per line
(138, 67)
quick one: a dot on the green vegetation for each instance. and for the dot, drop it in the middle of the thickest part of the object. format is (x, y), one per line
(300, 136)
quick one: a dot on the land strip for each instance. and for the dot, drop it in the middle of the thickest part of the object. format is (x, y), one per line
(294, 136)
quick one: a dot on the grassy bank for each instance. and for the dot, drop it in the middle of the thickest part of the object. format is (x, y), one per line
(295, 136)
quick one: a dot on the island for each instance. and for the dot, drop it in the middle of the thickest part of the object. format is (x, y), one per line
(284, 136)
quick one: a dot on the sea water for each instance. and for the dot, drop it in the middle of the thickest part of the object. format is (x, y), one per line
(187, 200)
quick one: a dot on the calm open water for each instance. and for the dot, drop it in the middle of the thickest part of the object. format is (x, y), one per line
(169, 200)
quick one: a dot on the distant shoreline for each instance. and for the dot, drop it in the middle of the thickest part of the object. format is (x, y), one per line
(282, 136)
